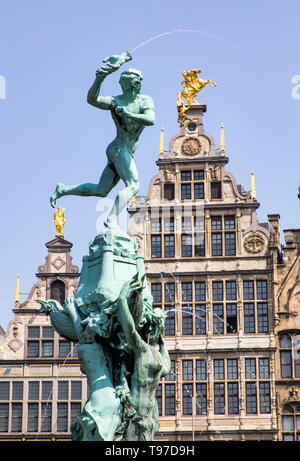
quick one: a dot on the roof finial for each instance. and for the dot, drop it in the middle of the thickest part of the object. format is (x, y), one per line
(162, 141)
(17, 297)
(222, 139)
(253, 190)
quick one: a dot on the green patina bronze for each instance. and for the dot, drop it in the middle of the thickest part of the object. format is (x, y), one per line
(119, 335)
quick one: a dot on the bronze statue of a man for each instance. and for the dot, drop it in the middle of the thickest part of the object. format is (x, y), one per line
(131, 112)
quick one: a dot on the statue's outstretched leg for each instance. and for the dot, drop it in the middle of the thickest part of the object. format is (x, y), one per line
(108, 180)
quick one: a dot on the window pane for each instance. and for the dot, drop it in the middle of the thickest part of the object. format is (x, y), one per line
(199, 244)
(286, 364)
(33, 349)
(264, 398)
(186, 223)
(187, 320)
(62, 417)
(156, 292)
(171, 375)
(186, 176)
(47, 349)
(230, 248)
(262, 316)
(200, 291)
(200, 319)
(34, 390)
(198, 175)
(187, 291)
(285, 341)
(46, 422)
(155, 246)
(201, 399)
(232, 369)
(170, 399)
(250, 368)
(169, 225)
(230, 290)
(218, 319)
(215, 188)
(264, 369)
(170, 321)
(169, 246)
(17, 390)
(187, 370)
(229, 222)
(155, 225)
(231, 318)
(186, 245)
(4, 390)
(219, 369)
(4, 417)
(288, 423)
(219, 398)
(63, 390)
(248, 289)
(201, 370)
(249, 319)
(32, 417)
(75, 412)
(261, 286)
(64, 348)
(47, 390)
(186, 191)
(251, 398)
(217, 291)
(233, 398)
(216, 243)
(169, 292)
(169, 192)
(187, 392)
(216, 223)
(16, 417)
(33, 332)
(48, 332)
(199, 190)
(158, 396)
(76, 390)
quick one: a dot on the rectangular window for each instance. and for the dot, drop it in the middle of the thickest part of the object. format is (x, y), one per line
(186, 176)
(187, 370)
(249, 318)
(232, 369)
(262, 317)
(199, 244)
(48, 332)
(250, 368)
(186, 223)
(248, 289)
(170, 399)
(199, 190)
(76, 390)
(169, 192)
(251, 398)
(187, 320)
(156, 292)
(33, 349)
(233, 398)
(187, 392)
(169, 292)
(201, 399)
(215, 190)
(4, 390)
(4, 408)
(169, 225)
(216, 223)
(17, 390)
(198, 175)
(229, 222)
(171, 375)
(200, 370)
(217, 291)
(219, 398)
(186, 245)
(230, 290)
(169, 246)
(46, 422)
(158, 396)
(64, 348)
(63, 390)
(16, 417)
(186, 191)
(286, 364)
(33, 417)
(261, 287)
(47, 390)
(187, 291)
(219, 372)
(264, 368)
(170, 321)
(155, 225)
(216, 244)
(156, 246)
(62, 417)
(231, 318)
(230, 247)
(75, 412)
(47, 348)
(33, 390)
(200, 291)
(264, 398)
(33, 332)
(218, 319)
(200, 312)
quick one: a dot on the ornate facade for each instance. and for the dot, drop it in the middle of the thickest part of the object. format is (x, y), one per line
(231, 297)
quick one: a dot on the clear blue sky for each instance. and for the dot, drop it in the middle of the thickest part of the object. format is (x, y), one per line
(48, 133)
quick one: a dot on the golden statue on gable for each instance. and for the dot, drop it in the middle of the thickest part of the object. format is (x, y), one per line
(192, 85)
(59, 219)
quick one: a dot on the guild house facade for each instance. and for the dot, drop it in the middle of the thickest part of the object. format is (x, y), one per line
(231, 293)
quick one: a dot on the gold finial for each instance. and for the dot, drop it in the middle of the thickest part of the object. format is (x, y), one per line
(253, 190)
(222, 139)
(192, 85)
(17, 297)
(162, 141)
(59, 219)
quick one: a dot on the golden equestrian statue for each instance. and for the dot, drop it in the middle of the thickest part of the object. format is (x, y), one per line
(192, 85)
(59, 219)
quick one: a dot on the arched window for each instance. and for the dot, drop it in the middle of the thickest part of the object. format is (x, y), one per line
(290, 421)
(58, 291)
(289, 344)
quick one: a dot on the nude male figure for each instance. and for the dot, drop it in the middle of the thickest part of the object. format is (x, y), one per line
(131, 112)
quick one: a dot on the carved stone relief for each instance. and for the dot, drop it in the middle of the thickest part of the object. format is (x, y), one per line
(254, 243)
